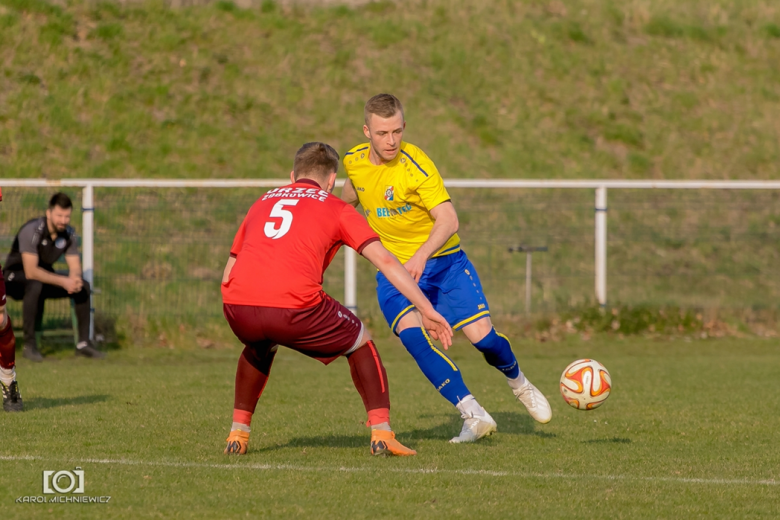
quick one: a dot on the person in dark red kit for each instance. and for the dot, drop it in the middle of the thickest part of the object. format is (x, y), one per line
(272, 293)
(12, 399)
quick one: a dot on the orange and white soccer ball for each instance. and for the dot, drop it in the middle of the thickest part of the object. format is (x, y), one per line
(585, 384)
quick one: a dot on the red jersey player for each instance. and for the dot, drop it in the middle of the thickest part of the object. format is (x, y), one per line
(12, 399)
(272, 293)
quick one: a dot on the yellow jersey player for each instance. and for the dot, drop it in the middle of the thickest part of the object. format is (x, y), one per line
(405, 202)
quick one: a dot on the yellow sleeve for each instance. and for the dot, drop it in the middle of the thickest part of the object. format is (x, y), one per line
(431, 190)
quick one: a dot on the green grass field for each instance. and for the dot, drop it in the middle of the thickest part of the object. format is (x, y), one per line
(690, 431)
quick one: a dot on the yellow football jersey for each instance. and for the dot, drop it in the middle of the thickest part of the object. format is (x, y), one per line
(397, 198)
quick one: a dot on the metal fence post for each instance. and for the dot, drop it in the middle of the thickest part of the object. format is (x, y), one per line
(88, 242)
(528, 282)
(601, 245)
(350, 282)
(529, 251)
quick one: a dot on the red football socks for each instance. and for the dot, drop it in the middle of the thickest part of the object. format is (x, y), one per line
(251, 377)
(370, 378)
(7, 345)
(365, 366)
(242, 417)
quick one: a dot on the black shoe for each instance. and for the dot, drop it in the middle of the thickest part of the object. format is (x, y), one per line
(32, 353)
(12, 399)
(90, 352)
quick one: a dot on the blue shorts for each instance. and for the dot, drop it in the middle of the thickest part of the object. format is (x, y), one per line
(451, 284)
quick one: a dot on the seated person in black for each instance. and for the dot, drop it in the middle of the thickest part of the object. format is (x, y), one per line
(30, 277)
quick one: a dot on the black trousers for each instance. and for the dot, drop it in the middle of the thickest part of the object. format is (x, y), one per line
(34, 295)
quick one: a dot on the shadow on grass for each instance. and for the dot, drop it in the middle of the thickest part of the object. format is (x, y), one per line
(613, 440)
(513, 423)
(444, 431)
(508, 423)
(519, 423)
(323, 441)
(54, 402)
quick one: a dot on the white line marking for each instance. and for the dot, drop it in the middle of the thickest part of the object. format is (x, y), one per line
(420, 471)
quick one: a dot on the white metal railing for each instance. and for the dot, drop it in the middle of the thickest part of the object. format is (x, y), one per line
(451, 183)
(350, 285)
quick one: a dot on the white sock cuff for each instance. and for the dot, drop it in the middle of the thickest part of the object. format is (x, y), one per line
(240, 426)
(517, 382)
(7, 375)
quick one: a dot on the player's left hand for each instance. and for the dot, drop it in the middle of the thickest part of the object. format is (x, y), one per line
(415, 267)
(438, 327)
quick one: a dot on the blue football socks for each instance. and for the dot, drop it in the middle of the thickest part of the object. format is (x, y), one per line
(437, 367)
(498, 353)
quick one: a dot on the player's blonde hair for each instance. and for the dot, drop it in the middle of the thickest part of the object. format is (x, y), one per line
(315, 161)
(383, 105)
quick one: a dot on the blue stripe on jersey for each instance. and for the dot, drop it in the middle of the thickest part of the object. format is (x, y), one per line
(360, 150)
(415, 162)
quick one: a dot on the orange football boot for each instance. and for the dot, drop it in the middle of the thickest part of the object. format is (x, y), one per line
(383, 443)
(237, 442)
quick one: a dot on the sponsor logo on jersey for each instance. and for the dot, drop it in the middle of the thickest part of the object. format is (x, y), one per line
(392, 212)
(389, 193)
(60, 243)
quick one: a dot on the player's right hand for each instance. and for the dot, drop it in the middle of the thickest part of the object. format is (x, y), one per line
(438, 327)
(72, 285)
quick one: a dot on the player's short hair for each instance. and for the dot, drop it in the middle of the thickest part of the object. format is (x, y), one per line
(315, 160)
(383, 105)
(61, 200)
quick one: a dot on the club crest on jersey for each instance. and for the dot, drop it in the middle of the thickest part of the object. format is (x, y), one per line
(389, 193)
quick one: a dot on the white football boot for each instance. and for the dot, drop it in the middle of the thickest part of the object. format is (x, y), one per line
(475, 426)
(534, 401)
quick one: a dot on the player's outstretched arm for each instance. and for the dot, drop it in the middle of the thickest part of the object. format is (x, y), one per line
(384, 260)
(348, 194)
(445, 225)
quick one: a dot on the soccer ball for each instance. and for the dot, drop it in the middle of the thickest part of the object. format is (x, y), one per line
(585, 384)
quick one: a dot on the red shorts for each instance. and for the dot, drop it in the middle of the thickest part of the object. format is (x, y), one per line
(324, 331)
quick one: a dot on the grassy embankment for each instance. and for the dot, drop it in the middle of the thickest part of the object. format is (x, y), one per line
(493, 89)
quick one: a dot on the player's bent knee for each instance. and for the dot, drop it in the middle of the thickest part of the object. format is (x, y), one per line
(477, 331)
(33, 286)
(411, 320)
